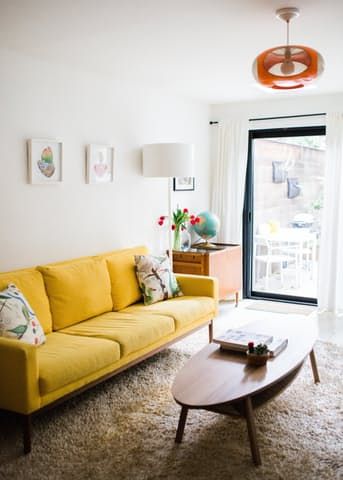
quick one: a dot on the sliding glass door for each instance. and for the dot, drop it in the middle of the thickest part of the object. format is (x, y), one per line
(284, 198)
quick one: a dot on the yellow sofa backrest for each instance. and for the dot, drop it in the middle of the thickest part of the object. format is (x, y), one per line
(77, 290)
(67, 292)
(124, 284)
(30, 282)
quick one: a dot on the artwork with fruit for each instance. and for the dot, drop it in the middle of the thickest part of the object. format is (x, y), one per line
(46, 162)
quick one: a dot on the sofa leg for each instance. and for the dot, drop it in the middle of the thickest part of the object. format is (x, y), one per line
(210, 331)
(27, 431)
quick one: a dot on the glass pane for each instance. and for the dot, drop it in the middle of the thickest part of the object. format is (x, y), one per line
(288, 198)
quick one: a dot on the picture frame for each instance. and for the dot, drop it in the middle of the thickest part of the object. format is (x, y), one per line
(45, 157)
(99, 163)
(182, 184)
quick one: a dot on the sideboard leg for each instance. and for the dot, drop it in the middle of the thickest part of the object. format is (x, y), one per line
(236, 298)
(249, 415)
(181, 425)
(210, 331)
(27, 433)
(314, 367)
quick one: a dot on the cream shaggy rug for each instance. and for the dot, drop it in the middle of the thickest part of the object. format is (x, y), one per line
(125, 428)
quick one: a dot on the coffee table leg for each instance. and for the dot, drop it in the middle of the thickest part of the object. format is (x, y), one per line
(210, 331)
(181, 426)
(314, 367)
(249, 415)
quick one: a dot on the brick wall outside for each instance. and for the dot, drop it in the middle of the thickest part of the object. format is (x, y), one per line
(270, 199)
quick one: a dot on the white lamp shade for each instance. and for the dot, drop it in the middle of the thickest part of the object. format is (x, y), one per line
(168, 160)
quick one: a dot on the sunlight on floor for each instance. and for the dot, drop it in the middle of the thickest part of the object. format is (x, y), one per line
(330, 327)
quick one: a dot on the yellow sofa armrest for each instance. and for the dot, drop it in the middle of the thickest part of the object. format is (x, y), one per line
(198, 285)
(19, 390)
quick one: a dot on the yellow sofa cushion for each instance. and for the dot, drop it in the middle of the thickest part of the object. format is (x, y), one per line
(133, 332)
(30, 283)
(184, 310)
(64, 359)
(124, 284)
(77, 291)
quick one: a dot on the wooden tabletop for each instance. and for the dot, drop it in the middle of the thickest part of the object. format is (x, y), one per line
(214, 376)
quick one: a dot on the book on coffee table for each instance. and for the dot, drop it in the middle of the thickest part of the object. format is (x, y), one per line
(277, 345)
(238, 339)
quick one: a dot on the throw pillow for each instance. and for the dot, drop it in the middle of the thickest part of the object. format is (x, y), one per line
(156, 280)
(17, 319)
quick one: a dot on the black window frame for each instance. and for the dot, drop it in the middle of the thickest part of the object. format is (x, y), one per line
(248, 217)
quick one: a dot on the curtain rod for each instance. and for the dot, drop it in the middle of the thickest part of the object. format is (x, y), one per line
(286, 116)
(278, 118)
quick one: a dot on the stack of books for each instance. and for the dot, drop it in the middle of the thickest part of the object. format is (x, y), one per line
(237, 340)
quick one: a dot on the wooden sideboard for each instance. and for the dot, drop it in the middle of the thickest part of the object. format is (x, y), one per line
(224, 263)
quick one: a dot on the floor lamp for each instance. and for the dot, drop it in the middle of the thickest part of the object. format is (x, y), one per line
(168, 160)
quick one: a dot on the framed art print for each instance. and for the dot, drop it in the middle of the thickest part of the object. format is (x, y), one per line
(184, 183)
(44, 161)
(100, 164)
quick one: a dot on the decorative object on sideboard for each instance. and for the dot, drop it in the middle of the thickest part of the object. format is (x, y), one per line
(182, 219)
(44, 161)
(168, 160)
(288, 67)
(99, 164)
(207, 227)
(184, 184)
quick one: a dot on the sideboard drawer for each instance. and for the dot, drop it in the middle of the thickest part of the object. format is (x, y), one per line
(192, 268)
(189, 258)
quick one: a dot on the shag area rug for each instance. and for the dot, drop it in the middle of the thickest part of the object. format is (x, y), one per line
(125, 429)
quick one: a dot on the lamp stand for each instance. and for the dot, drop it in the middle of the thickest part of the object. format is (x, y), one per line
(170, 216)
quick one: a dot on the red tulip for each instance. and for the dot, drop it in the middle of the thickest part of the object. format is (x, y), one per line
(160, 222)
(162, 217)
(173, 227)
(197, 220)
(185, 210)
(193, 222)
(192, 216)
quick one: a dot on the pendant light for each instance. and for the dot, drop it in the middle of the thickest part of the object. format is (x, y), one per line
(288, 66)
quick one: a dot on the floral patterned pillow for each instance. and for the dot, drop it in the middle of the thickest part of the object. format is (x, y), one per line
(17, 319)
(156, 280)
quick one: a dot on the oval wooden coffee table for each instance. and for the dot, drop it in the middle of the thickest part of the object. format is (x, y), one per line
(221, 381)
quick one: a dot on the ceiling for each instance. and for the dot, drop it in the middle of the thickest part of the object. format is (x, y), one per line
(202, 49)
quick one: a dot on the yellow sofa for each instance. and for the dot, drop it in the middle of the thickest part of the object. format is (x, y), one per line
(96, 326)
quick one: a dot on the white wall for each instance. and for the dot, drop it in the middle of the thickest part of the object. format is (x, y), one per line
(43, 223)
(292, 104)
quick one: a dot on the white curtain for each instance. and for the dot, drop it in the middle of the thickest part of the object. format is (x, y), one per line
(330, 282)
(228, 178)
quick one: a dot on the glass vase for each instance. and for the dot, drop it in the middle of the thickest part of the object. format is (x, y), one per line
(185, 240)
(177, 239)
(182, 240)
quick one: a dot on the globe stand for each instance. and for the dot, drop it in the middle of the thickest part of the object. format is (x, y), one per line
(205, 245)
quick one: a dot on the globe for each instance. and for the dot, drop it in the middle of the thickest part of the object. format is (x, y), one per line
(208, 226)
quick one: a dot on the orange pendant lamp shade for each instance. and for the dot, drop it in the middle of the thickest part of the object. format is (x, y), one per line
(288, 66)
